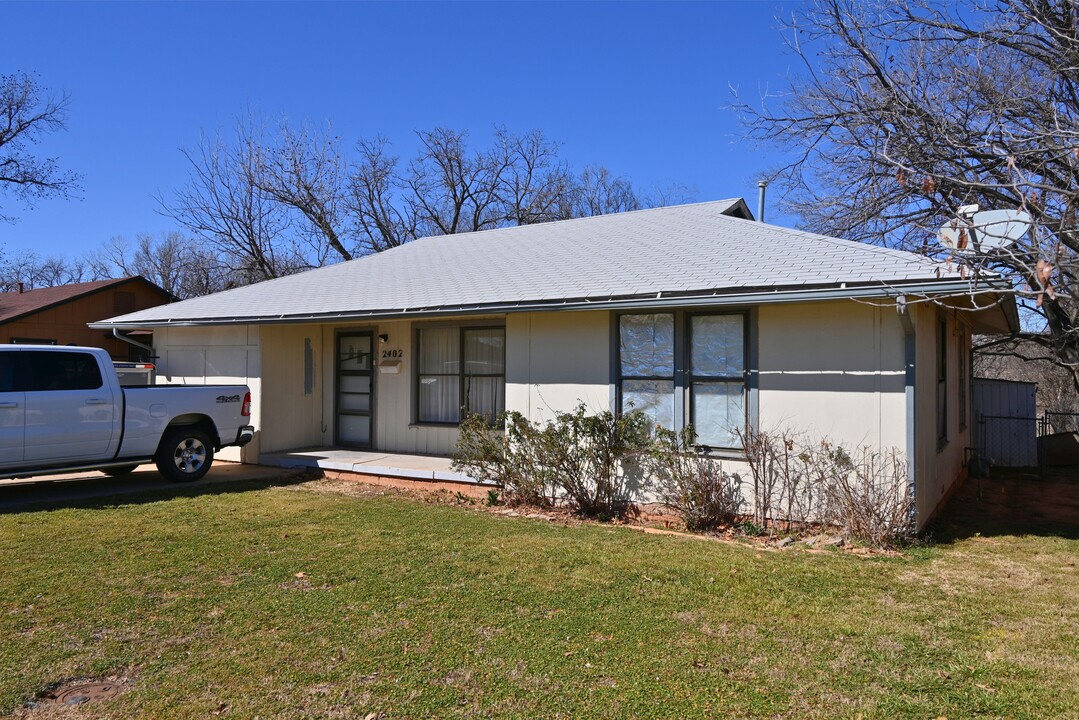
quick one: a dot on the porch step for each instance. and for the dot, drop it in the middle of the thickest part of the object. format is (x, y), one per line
(410, 467)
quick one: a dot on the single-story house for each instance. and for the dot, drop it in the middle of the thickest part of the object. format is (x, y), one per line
(694, 313)
(60, 315)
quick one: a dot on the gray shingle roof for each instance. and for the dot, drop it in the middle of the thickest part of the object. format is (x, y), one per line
(686, 249)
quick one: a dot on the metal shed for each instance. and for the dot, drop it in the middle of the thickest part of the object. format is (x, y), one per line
(1006, 421)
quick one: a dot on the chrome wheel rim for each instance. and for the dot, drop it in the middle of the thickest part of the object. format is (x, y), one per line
(190, 456)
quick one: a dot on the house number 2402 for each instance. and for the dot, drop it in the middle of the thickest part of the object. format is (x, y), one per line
(393, 354)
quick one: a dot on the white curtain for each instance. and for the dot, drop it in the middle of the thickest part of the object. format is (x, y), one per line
(439, 380)
(485, 371)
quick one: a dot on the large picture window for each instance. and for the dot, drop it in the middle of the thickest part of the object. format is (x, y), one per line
(460, 368)
(711, 395)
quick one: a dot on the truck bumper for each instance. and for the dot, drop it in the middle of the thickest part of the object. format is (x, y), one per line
(244, 435)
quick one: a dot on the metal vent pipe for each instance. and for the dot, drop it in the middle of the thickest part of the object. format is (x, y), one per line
(763, 185)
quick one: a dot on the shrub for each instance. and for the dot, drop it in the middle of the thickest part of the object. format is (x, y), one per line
(865, 494)
(693, 485)
(594, 460)
(506, 458)
(589, 461)
(868, 494)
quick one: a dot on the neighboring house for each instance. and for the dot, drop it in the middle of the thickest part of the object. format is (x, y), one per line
(60, 315)
(694, 313)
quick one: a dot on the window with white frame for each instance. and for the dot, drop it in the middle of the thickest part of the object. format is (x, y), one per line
(704, 385)
(460, 369)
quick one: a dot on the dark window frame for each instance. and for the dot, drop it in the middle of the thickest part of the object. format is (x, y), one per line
(692, 378)
(461, 375)
(672, 378)
(963, 379)
(942, 382)
(684, 378)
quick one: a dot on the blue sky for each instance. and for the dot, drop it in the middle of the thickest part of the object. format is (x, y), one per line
(638, 87)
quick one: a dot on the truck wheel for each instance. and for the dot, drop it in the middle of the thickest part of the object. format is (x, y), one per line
(119, 471)
(185, 454)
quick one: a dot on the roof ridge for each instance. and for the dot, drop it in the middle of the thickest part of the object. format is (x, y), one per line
(585, 218)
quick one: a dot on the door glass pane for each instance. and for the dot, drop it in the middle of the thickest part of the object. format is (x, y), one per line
(354, 402)
(485, 396)
(485, 351)
(655, 398)
(718, 413)
(354, 429)
(440, 399)
(718, 345)
(354, 352)
(354, 383)
(646, 345)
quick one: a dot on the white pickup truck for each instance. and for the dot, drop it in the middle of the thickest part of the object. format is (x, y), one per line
(62, 409)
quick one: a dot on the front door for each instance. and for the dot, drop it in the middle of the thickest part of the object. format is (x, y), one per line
(355, 389)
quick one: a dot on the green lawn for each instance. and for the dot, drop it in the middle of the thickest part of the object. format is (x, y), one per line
(412, 609)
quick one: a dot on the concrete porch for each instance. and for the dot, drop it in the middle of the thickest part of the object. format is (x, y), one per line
(373, 463)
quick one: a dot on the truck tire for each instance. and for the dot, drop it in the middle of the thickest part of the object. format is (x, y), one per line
(185, 454)
(119, 471)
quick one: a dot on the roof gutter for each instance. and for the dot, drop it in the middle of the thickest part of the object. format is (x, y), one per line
(938, 288)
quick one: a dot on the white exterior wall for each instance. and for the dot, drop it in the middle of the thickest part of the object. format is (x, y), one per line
(211, 356)
(938, 467)
(556, 360)
(833, 370)
(293, 411)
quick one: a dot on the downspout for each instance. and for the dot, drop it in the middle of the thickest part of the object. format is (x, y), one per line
(149, 350)
(909, 349)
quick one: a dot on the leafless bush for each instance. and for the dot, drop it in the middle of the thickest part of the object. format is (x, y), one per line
(801, 481)
(868, 495)
(783, 474)
(693, 485)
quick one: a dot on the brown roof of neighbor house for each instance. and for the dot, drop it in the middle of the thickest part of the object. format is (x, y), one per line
(14, 305)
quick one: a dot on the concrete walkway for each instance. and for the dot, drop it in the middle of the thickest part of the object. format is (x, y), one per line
(380, 464)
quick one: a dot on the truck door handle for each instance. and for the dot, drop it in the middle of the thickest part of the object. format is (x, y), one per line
(95, 401)
(9, 404)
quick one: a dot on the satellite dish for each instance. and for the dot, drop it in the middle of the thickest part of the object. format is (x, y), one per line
(988, 230)
(994, 229)
(955, 235)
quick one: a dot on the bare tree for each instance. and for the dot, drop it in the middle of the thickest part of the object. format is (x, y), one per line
(598, 192)
(181, 265)
(306, 173)
(275, 204)
(908, 110)
(452, 189)
(29, 271)
(381, 220)
(536, 184)
(226, 206)
(28, 112)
